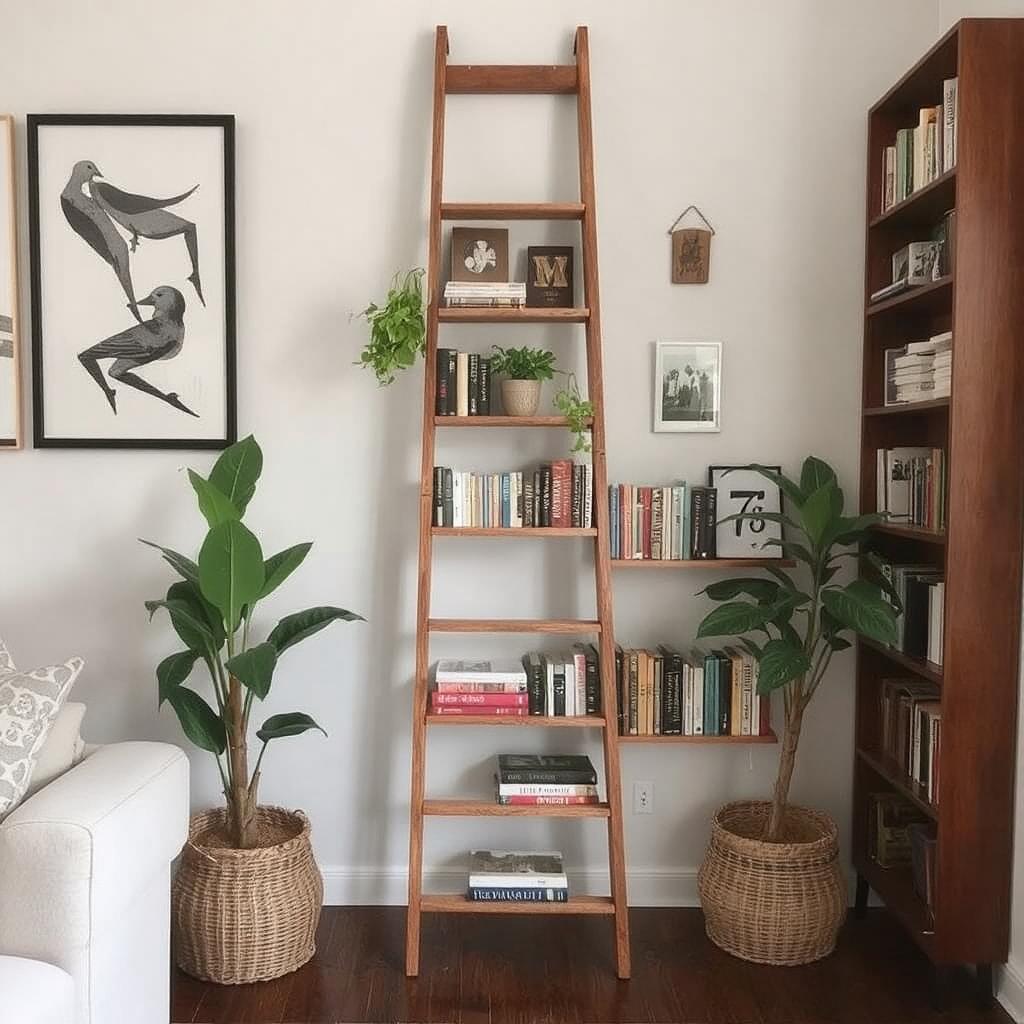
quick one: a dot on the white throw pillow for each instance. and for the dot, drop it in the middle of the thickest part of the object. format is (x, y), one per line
(29, 704)
(62, 749)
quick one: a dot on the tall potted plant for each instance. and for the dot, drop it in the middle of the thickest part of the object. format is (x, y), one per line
(770, 884)
(247, 897)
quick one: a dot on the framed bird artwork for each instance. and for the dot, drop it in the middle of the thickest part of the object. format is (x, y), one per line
(10, 390)
(131, 231)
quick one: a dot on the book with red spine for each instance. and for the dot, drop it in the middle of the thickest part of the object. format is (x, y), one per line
(479, 687)
(645, 529)
(480, 700)
(540, 801)
(520, 712)
(561, 493)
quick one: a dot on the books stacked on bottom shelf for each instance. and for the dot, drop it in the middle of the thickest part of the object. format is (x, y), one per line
(516, 876)
(665, 692)
(920, 371)
(463, 385)
(475, 294)
(911, 713)
(911, 486)
(538, 779)
(556, 494)
(480, 688)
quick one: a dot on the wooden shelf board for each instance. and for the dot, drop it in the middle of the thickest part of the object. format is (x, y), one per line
(889, 770)
(511, 79)
(491, 809)
(541, 721)
(512, 211)
(908, 408)
(925, 206)
(503, 421)
(747, 740)
(911, 532)
(458, 904)
(925, 669)
(896, 888)
(559, 626)
(701, 563)
(546, 532)
(508, 315)
(936, 296)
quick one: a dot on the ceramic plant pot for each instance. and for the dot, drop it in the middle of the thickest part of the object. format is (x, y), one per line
(520, 397)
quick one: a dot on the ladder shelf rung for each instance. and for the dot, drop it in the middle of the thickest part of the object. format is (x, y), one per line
(511, 315)
(512, 211)
(457, 904)
(701, 563)
(490, 809)
(537, 721)
(503, 421)
(491, 79)
(563, 626)
(545, 532)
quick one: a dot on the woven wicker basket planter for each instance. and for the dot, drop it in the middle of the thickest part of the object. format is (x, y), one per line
(772, 903)
(520, 397)
(240, 916)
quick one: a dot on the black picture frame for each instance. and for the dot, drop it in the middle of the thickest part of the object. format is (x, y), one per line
(772, 553)
(226, 122)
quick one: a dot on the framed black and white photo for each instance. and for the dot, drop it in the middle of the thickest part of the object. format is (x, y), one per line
(742, 489)
(131, 222)
(688, 387)
(10, 392)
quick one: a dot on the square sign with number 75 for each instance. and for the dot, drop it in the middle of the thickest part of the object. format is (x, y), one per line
(741, 489)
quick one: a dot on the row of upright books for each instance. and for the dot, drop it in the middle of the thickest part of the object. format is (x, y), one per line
(912, 486)
(463, 384)
(558, 684)
(665, 692)
(911, 717)
(545, 779)
(484, 294)
(556, 494)
(516, 876)
(920, 371)
(921, 153)
(921, 590)
(671, 523)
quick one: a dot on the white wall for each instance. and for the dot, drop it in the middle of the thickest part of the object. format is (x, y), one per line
(755, 112)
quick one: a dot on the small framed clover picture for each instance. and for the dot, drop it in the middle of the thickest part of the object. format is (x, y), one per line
(744, 490)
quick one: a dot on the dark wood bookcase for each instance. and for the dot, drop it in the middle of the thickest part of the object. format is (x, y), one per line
(981, 426)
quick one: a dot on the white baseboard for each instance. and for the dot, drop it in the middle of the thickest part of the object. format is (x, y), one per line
(1010, 989)
(347, 886)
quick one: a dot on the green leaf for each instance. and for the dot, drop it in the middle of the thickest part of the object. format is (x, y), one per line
(255, 668)
(782, 577)
(236, 471)
(838, 643)
(851, 529)
(279, 567)
(296, 627)
(787, 486)
(861, 607)
(758, 589)
(817, 514)
(231, 570)
(173, 671)
(814, 474)
(734, 618)
(188, 620)
(789, 634)
(750, 647)
(184, 567)
(199, 721)
(792, 549)
(213, 503)
(290, 724)
(781, 662)
(873, 569)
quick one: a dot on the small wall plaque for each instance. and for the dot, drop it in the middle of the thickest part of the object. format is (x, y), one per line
(691, 250)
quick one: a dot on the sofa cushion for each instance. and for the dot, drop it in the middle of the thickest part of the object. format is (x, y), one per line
(34, 992)
(63, 748)
(29, 704)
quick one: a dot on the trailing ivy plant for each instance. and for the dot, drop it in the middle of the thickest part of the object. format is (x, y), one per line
(212, 608)
(578, 410)
(523, 363)
(795, 623)
(397, 328)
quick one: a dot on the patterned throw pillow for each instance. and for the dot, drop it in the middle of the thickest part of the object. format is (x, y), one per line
(29, 703)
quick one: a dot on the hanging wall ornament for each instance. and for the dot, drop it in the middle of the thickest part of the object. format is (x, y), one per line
(691, 250)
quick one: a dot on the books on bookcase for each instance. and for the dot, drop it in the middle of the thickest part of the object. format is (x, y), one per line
(516, 876)
(911, 718)
(545, 779)
(921, 592)
(668, 523)
(463, 384)
(920, 371)
(667, 692)
(483, 294)
(912, 486)
(556, 494)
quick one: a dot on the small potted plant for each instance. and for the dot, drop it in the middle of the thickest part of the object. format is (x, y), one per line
(247, 895)
(522, 370)
(770, 885)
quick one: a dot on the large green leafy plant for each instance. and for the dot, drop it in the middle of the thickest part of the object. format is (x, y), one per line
(212, 608)
(794, 623)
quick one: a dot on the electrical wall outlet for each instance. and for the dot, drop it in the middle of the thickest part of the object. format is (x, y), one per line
(643, 797)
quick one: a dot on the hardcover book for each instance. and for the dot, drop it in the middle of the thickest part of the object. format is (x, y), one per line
(516, 868)
(546, 768)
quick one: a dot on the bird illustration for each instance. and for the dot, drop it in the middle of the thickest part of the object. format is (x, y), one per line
(93, 226)
(160, 337)
(148, 218)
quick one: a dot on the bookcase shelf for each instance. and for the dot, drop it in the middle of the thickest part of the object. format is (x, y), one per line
(769, 738)
(505, 315)
(563, 627)
(512, 211)
(702, 563)
(980, 553)
(458, 904)
(503, 421)
(541, 721)
(521, 532)
(490, 809)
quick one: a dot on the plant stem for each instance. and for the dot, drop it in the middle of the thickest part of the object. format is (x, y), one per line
(241, 805)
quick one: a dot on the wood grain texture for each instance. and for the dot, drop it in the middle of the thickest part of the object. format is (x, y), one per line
(936, 405)
(564, 627)
(925, 207)
(490, 809)
(922, 298)
(558, 970)
(537, 721)
(500, 315)
(511, 78)
(512, 211)
(502, 421)
(458, 904)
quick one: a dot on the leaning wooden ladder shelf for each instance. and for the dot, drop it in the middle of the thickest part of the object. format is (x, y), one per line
(572, 79)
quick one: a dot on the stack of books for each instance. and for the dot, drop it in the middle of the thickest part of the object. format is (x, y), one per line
(480, 688)
(662, 523)
(485, 294)
(911, 715)
(564, 684)
(556, 494)
(921, 590)
(919, 371)
(514, 876)
(911, 486)
(665, 692)
(463, 384)
(536, 779)
(921, 153)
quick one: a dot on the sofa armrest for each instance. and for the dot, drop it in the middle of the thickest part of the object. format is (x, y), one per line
(73, 855)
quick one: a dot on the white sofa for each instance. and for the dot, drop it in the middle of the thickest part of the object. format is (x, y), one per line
(85, 868)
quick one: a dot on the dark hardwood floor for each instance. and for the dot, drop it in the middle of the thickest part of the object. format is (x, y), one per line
(538, 970)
